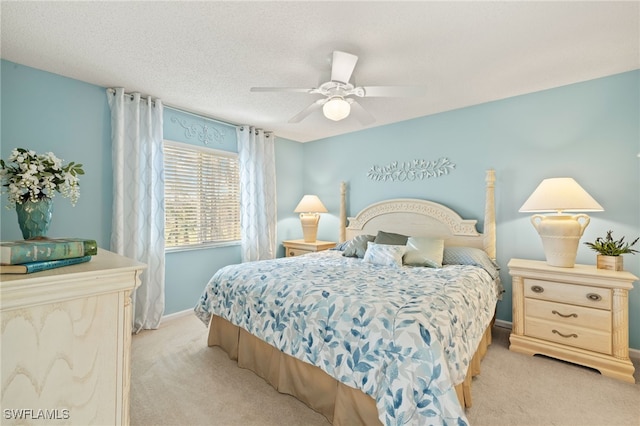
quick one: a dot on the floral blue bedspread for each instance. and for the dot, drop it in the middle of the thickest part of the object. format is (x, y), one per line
(403, 336)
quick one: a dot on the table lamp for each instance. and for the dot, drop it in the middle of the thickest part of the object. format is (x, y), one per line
(309, 208)
(560, 233)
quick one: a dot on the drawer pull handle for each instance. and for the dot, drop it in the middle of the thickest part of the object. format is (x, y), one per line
(537, 289)
(565, 335)
(594, 297)
(564, 316)
(291, 254)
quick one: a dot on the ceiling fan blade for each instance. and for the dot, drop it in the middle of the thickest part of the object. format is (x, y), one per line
(280, 89)
(392, 91)
(361, 114)
(342, 66)
(308, 110)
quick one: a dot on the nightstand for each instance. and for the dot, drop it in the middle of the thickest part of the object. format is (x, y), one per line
(298, 247)
(578, 314)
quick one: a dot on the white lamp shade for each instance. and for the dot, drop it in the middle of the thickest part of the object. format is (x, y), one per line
(560, 195)
(310, 204)
(336, 109)
(560, 233)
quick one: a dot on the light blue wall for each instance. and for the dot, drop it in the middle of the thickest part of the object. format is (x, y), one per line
(48, 112)
(289, 189)
(589, 131)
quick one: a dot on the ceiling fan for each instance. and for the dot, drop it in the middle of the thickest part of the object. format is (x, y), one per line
(338, 102)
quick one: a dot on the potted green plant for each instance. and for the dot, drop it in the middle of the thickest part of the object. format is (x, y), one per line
(610, 251)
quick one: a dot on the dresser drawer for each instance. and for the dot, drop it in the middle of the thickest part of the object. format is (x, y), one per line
(593, 297)
(568, 315)
(296, 252)
(571, 335)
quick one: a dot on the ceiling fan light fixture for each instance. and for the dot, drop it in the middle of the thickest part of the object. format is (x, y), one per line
(336, 108)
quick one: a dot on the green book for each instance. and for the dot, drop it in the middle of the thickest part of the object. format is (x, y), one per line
(18, 252)
(28, 268)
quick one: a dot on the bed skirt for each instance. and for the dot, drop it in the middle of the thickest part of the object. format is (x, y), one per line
(339, 403)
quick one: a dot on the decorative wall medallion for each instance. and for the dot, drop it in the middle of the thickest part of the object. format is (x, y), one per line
(204, 132)
(411, 170)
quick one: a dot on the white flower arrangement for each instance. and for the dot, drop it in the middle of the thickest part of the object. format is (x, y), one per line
(31, 176)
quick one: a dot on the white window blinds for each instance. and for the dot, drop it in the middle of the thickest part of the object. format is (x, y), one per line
(202, 196)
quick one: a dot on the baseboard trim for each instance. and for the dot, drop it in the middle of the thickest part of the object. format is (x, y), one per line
(633, 353)
(177, 315)
(503, 323)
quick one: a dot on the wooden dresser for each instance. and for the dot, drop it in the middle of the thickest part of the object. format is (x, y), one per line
(66, 343)
(298, 247)
(578, 314)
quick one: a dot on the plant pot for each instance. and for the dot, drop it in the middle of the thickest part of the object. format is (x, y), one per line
(611, 263)
(34, 218)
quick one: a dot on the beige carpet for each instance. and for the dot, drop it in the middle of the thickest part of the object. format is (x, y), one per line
(177, 380)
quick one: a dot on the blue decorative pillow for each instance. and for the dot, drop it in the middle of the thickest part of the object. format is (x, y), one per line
(341, 246)
(424, 251)
(357, 246)
(384, 254)
(470, 256)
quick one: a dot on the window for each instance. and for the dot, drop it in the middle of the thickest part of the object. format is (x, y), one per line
(202, 196)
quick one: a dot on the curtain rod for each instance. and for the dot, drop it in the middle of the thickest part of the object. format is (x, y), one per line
(182, 110)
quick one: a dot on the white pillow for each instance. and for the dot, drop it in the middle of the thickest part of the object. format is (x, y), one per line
(424, 251)
(384, 254)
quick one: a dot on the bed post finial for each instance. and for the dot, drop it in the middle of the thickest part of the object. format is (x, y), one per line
(490, 215)
(343, 212)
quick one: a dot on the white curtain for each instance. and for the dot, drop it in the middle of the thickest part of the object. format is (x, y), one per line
(138, 192)
(256, 153)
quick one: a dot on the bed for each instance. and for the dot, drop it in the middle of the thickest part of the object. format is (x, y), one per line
(357, 334)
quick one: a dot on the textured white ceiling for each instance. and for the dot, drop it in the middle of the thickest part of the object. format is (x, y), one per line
(204, 56)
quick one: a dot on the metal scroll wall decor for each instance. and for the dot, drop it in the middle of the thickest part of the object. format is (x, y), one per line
(204, 132)
(410, 170)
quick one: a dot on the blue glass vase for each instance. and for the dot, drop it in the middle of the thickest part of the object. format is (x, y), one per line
(34, 218)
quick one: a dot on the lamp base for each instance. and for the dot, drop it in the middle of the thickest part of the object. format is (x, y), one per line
(309, 222)
(560, 237)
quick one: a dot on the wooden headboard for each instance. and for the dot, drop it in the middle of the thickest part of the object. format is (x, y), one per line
(422, 218)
